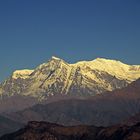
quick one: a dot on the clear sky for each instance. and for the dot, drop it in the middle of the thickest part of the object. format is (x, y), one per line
(31, 31)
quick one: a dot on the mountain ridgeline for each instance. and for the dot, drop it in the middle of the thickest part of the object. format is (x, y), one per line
(57, 77)
(50, 131)
(100, 92)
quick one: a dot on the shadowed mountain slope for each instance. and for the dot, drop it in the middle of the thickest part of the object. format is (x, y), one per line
(101, 110)
(48, 131)
(8, 126)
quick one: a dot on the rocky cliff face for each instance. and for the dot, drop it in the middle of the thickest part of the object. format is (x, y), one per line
(48, 131)
(85, 78)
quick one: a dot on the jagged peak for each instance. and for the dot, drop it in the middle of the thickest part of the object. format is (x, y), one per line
(56, 58)
(53, 61)
(113, 67)
(22, 73)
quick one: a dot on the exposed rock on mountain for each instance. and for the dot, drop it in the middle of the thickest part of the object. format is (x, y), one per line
(48, 131)
(67, 85)
(101, 110)
(84, 78)
(132, 120)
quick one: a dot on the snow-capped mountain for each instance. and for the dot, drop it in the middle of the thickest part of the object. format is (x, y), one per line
(83, 78)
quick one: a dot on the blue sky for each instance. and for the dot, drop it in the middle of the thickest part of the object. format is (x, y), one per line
(31, 31)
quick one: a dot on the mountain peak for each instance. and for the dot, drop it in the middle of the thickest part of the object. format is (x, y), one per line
(55, 58)
(22, 73)
(106, 59)
(57, 76)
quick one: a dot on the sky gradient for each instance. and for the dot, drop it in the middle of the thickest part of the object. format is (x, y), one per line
(31, 31)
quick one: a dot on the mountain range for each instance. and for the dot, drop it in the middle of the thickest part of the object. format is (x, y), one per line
(57, 77)
(100, 92)
(101, 110)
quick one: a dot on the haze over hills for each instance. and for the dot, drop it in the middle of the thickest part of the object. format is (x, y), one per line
(101, 110)
(8, 126)
(85, 78)
(106, 109)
